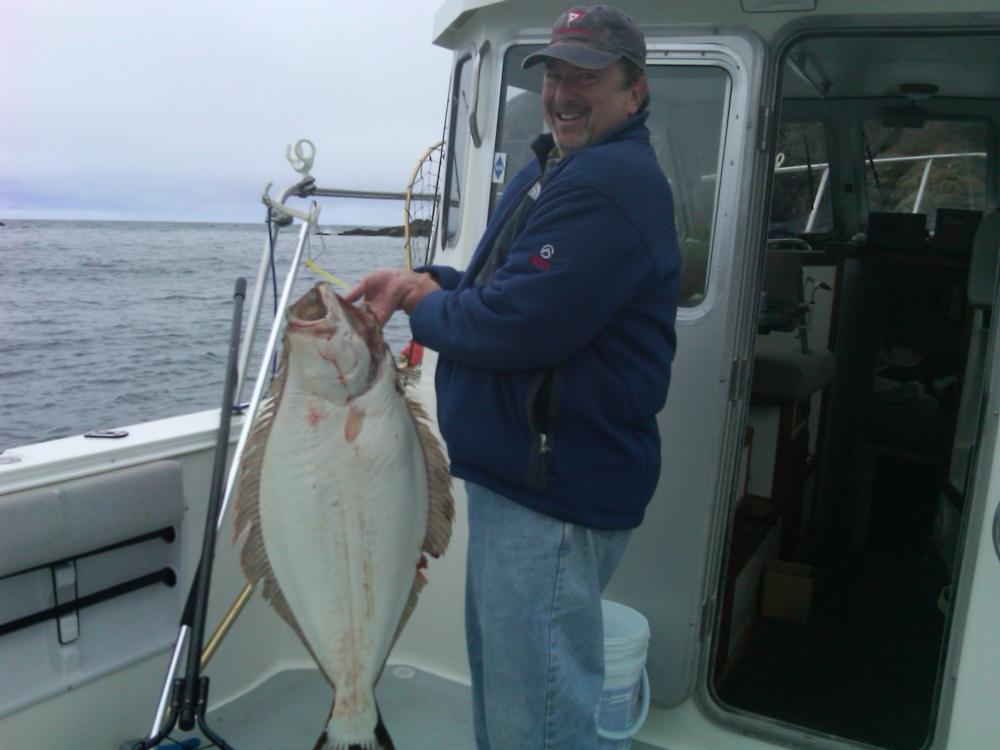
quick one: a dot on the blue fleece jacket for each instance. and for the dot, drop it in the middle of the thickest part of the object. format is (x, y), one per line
(550, 376)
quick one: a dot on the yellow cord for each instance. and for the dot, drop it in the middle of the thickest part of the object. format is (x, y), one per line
(312, 266)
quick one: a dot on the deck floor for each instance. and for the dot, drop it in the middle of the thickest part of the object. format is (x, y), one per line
(286, 712)
(867, 665)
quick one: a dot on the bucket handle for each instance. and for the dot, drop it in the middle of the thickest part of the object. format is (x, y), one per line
(636, 725)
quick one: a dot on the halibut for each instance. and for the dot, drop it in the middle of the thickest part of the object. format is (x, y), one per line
(342, 491)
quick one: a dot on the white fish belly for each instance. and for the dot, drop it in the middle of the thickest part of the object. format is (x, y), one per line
(343, 516)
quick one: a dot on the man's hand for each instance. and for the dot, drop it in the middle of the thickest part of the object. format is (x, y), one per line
(389, 290)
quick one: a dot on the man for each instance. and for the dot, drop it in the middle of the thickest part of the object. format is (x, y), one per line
(554, 358)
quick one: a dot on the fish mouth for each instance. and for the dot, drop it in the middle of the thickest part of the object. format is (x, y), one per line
(364, 322)
(309, 311)
(321, 309)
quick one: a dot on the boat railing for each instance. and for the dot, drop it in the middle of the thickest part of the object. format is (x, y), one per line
(928, 159)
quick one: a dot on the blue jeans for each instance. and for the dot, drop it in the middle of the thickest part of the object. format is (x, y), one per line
(533, 624)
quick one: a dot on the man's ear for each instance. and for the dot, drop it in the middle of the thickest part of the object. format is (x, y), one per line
(637, 95)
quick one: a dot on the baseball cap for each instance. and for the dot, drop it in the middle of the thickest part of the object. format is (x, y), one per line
(593, 37)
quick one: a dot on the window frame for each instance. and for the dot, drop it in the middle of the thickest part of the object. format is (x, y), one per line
(466, 56)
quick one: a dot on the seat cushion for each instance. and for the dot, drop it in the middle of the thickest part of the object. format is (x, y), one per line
(785, 374)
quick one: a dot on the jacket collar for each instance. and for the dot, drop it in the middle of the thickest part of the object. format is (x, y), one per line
(632, 129)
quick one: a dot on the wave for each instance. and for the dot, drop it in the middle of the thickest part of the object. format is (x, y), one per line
(112, 323)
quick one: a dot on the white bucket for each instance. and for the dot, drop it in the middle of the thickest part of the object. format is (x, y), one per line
(625, 697)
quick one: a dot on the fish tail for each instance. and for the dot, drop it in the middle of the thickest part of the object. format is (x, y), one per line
(363, 732)
(325, 743)
(328, 742)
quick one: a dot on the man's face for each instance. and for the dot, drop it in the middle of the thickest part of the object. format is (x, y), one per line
(581, 105)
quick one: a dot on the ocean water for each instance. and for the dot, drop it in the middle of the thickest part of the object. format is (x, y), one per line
(106, 324)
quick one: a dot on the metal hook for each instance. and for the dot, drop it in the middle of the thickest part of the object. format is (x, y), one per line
(301, 163)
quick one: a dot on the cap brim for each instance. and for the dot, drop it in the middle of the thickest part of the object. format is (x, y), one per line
(581, 55)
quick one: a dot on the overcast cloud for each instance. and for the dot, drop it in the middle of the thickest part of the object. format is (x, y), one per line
(182, 110)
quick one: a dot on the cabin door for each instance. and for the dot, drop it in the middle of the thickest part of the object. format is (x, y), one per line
(857, 597)
(973, 659)
(703, 98)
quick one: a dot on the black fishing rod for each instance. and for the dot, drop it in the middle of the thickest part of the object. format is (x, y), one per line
(190, 693)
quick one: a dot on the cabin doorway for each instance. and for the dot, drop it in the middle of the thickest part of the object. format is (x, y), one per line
(843, 542)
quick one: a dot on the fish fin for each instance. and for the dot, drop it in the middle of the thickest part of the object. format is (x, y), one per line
(382, 734)
(248, 478)
(408, 375)
(441, 512)
(355, 733)
(419, 581)
(382, 739)
(442, 506)
(253, 556)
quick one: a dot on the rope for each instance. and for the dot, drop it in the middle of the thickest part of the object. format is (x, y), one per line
(274, 279)
(314, 267)
(274, 273)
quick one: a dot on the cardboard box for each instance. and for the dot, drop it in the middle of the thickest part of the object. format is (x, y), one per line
(787, 591)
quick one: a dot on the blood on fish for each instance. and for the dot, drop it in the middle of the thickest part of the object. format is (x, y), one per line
(332, 359)
(367, 585)
(314, 416)
(352, 424)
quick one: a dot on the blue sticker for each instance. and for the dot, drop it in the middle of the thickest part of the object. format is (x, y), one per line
(499, 167)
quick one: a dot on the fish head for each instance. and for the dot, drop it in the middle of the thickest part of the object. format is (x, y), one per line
(337, 348)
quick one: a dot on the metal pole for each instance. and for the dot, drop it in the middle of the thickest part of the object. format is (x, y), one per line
(251, 412)
(161, 706)
(225, 625)
(923, 184)
(255, 305)
(265, 363)
(819, 198)
(193, 693)
(259, 290)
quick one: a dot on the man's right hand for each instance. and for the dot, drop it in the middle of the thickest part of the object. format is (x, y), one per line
(388, 290)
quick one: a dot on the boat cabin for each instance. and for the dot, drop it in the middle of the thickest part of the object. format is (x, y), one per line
(820, 565)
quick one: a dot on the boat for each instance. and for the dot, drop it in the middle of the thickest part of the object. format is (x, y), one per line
(820, 564)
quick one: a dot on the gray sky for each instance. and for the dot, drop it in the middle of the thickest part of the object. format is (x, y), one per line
(182, 110)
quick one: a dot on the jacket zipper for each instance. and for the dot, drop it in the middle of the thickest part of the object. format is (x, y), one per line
(549, 384)
(539, 450)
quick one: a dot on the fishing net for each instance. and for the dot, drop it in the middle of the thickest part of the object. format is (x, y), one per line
(420, 209)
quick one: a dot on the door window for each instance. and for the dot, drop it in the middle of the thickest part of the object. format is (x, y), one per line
(458, 149)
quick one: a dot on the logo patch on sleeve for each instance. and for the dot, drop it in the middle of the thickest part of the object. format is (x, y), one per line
(543, 258)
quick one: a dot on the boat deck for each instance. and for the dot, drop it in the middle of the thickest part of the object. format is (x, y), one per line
(286, 712)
